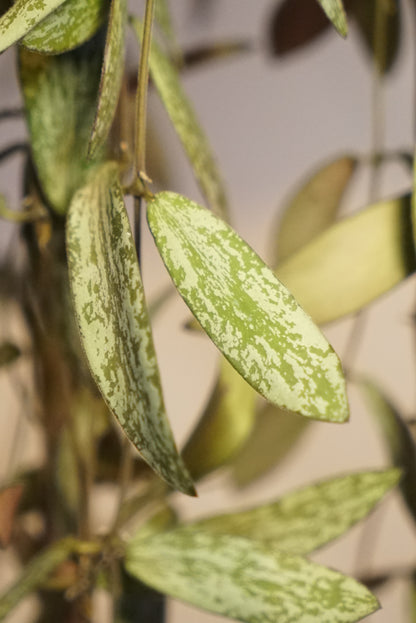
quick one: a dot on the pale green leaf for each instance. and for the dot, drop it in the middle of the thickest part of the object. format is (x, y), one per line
(113, 321)
(246, 311)
(274, 435)
(304, 520)
(22, 16)
(111, 76)
(398, 440)
(313, 208)
(69, 26)
(244, 580)
(353, 262)
(60, 94)
(36, 572)
(224, 426)
(167, 82)
(163, 19)
(336, 13)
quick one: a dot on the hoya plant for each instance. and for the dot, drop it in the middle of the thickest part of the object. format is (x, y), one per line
(94, 391)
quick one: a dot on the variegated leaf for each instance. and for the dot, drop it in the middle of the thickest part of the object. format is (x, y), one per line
(224, 426)
(66, 28)
(353, 262)
(336, 13)
(113, 321)
(304, 520)
(246, 311)
(186, 124)
(111, 76)
(244, 580)
(22, 16)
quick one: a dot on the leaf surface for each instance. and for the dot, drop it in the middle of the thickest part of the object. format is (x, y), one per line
(353, 262)
(167, 81)
(305, 520)
(243, 580)
(113, 321)
(111, 76)
(22, 16)
(246, 311)
(66, 28)
(336, 13)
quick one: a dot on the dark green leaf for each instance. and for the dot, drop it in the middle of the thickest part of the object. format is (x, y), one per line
(9, 352)
(137, 602)
(22, 16)
(113, 321)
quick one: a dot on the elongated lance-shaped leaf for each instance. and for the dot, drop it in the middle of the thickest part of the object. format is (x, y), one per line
(275, 433)
(336, 13)
(111, 76)
(313, 208)
(164, 22)
(60, 94)
(167, 82)
(113, 321)
(22, 16)
(353, 262)
(224, 426)
(35, 574)
(304, 520)
(246, 311)
(244, 580)
(397, 438)
(69, 26)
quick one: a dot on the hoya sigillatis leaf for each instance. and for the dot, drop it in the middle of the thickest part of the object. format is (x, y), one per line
(246, 311)
(167, 81)
(113, 321)
(304, 520)
(111, 75)
(335, 11)
(242, 579)
(352, 262)
(22, 16)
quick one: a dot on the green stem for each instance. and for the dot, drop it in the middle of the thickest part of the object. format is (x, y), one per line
(141, 96)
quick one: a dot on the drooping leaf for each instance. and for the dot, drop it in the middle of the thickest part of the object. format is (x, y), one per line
(22, 16)
(35, 574)
(224, 426)
(274, 435)
(313, 208)
(9, 352)
(397, 438)
(69, 26)
(113, 321)
(336, 13)
(182, 115)
(243, 580)
(111, 76)
(304, 520)
(353, 262)
(9, 502)
(60, 95)
(246, 311)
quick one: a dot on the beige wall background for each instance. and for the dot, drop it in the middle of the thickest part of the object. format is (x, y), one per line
(270, 123)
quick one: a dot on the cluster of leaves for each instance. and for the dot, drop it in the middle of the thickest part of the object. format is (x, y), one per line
(251, 566)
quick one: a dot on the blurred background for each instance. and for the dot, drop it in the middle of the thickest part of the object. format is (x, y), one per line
(272, 120)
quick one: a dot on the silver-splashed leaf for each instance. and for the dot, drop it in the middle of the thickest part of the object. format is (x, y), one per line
(22, 16)
(113, 321)
(246, 311)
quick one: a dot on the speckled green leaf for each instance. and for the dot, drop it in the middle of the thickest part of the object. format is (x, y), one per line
(246, 311)
(244, 580)
(22, 16)
(111, 76)
(34, 574)
(304, 520)
(70, 25)
(113, 321)
(313, 208)
(336, 13)
(353, 262)
(398, 440)
(167, 82)
(224, 426)
(275, 433)
(60, 94)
